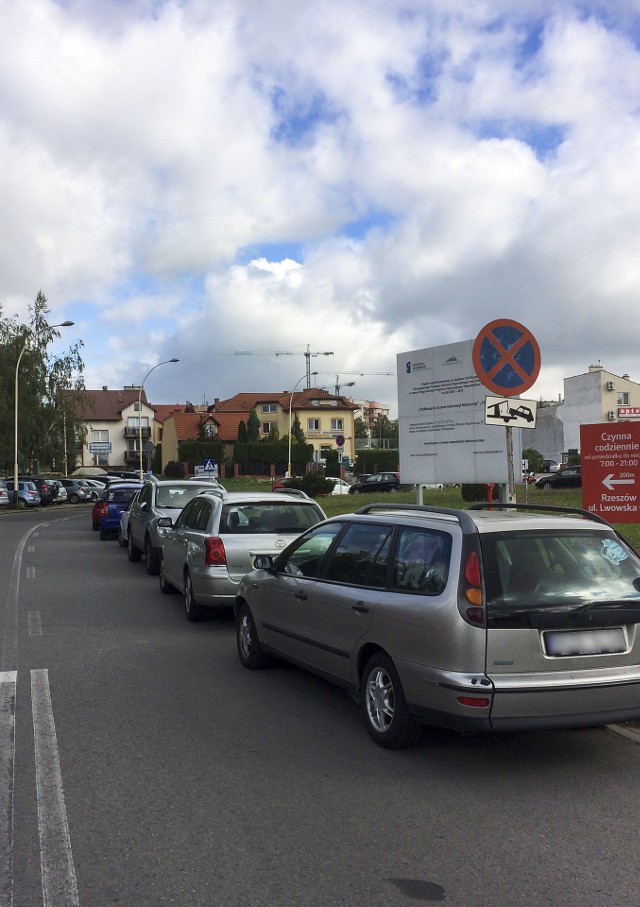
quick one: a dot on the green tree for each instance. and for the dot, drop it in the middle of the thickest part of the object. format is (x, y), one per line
(360, 427)
(242, 432)
(49, 430)
(385, 432)
(253, 427)
(297, 434)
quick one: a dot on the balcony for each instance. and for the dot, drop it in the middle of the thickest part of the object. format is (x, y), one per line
(132, 456)
(135, 432)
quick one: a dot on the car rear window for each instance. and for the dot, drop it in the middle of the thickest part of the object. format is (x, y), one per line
(265, 518)
(549, 570)
(120, 495)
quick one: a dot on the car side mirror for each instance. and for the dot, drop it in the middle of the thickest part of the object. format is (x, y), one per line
(165, 522)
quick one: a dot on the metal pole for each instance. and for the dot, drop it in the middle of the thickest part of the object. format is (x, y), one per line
(511, 486)
(153, 368)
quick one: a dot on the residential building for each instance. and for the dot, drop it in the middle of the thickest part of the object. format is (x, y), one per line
(594, 396)
(113, 420)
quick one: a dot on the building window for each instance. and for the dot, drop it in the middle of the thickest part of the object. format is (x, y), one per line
(623, 399)
(134, 422)
(337, 424)
(313, 424)
(268, 427)
(209, 430)
(269, 407)
(98, 435)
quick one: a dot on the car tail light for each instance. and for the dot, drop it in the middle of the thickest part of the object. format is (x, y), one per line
(473, 590)
(215, 555)
(103, 510)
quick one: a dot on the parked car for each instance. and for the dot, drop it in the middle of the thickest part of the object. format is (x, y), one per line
(28, 494)
(475, 620)
(339, 486)
(213, 542)
(123, 529)
(4, 495)
(115, 500)
(77, 490)
(569, 477)
(45, 488)
(158, 498)
(96, 488)
(380, 481)
(60, 496)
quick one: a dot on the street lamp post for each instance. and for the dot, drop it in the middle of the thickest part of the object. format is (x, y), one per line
(64, 324)
(290, 422)
(166, 362)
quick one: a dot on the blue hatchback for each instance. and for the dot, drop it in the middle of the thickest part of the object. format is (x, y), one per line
(115, 500)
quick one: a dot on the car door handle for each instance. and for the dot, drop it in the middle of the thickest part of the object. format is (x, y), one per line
(361, 608)
(301, 595)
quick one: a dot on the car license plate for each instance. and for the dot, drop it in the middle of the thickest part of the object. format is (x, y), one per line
(584, 642)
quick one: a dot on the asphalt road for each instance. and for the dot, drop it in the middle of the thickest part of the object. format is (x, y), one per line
(140, 765)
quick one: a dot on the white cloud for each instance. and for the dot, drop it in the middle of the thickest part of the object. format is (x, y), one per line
(185, 178)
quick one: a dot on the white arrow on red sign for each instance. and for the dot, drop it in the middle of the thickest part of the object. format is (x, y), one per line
(609, 482)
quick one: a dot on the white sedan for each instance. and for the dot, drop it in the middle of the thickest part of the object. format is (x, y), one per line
(340, 486)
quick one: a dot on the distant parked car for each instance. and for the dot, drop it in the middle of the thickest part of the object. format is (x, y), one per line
(114, 501)
(61, 492)
(339, 486)
(123, 529)
(96, 488)
(158, 498)
(28, 495)
(381, 481)
(569, 477)
(213, 543)
(4, 495)
(45, 487)
(77, 490)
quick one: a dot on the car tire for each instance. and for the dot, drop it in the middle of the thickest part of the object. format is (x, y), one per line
(151, 558)
(249, 649)
(385, 709)
(355, 491)
(192, 609)
(121, 539)
(134, 554)
(74, 498)
(104, 535)
(165, 587)
(95, 526)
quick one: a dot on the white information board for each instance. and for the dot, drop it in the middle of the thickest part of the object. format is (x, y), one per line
(441, 418)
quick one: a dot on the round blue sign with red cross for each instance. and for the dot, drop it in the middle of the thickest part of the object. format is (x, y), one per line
(506, 357)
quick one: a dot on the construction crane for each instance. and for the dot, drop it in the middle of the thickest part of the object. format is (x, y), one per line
(307, 355)
(338, 384)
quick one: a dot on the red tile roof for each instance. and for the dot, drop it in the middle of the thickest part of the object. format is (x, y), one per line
(104, 405)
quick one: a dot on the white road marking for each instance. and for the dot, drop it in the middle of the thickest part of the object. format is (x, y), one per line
(31, 548)
(7, 771)
(59, 886)
(31, 572)
(34, 624)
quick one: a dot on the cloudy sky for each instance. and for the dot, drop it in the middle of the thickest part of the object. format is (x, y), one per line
(196, 179)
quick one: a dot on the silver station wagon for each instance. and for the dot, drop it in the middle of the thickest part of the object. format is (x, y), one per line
(475, 620)
(216, 538)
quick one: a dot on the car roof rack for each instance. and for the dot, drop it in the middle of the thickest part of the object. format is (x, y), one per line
(466, 523)
(559, 508)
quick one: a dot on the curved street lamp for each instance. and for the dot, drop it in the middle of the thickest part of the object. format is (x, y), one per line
(64, 324)
(290, 424)
(153, 368)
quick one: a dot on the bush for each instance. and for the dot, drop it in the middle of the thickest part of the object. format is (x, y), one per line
(174, 470)
(313, 484)
(475, 493)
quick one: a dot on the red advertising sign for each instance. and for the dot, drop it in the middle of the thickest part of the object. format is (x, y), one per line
(626, 411)
(610, 455)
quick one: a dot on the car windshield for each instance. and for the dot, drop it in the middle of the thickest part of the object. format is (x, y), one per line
(560, 571)
(262, 518)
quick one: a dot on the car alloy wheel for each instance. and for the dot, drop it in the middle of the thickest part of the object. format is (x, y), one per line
(249, 649)
(192, 608)
(385, 709)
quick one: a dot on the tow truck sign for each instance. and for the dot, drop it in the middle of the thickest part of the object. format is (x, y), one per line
(510, 411)
(610, 457)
